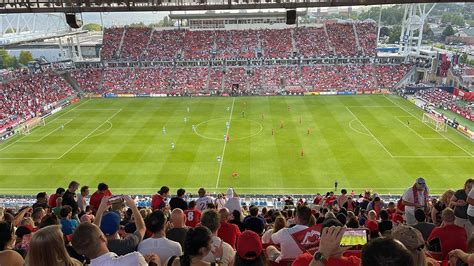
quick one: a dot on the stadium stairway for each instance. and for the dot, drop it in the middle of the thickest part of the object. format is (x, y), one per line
(333, 50)
(359, 49)
(68, 78)
(119, 49)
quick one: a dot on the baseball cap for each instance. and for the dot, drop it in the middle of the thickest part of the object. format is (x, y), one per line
(409, 236)
(249, 245)
(110, 223)
(421, 181)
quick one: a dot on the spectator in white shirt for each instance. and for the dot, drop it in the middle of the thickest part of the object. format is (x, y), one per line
(289, 248)
(158, 243)
(415, 197)
(81, 198)
(233, 201)
(211, 219)
(201, 203)
(88, 240)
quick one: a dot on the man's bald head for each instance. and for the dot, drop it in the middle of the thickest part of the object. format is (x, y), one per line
(224, 214)
(177, 218)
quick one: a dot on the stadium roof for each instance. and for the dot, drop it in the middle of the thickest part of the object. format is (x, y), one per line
(37, 6)
(228, 15)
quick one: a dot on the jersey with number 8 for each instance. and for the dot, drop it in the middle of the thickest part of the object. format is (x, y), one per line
(193, 217)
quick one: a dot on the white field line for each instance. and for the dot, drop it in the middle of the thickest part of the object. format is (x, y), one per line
(75, 145)
(360, 132)
(88, 135)
(236, 188)
(380, 143)
(38, 140)
(412, 130)
(225, 144)
(108, 129)
(46, 123)
(467, 152)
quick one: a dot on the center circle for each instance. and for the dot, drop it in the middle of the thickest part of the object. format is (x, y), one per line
(240, 128)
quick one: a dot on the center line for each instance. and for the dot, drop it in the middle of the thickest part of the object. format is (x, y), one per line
(225, 144)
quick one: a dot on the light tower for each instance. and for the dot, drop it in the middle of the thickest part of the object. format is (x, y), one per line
(412, 28)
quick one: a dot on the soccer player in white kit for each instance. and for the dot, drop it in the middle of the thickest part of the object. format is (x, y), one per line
(172, 146)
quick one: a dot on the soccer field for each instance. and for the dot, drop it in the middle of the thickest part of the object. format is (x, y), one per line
(375, 142)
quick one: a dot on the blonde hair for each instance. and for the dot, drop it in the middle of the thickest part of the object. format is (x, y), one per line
(446, 197)
(47, 248)
(280, 223)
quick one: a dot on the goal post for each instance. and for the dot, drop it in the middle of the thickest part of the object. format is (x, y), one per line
(438, 122)
(26, 127)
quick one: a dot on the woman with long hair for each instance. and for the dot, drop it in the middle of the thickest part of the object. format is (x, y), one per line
(7, 240)
(196, 246)
(440, 205)
(47, 249)
(280, 223)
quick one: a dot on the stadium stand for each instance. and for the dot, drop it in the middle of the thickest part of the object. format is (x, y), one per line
(328, 39)
(31, 95)
(315, 213)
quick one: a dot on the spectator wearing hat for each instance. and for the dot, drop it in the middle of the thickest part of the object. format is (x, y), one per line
(413, 241)
(178, 228)
(158, 243)
(421, 224)
(415, 197)
(158, 200)
(227, 231)
(459, 201)
(88, 240)
(249, 250)
(289, 248)
(193, 215)
(203, 200)
(96, 197)
(210, 219)
(110, 224)
(69, 197)
(52, 199)
(178, 201)
(233, 201)
(450, 235)
(372, 225)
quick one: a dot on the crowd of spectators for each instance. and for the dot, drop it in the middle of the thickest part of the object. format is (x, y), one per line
(88, 79)
(342, 38)
(389, 75)
(31, 95)
(260, 79)
(135, 42)
(111, 43)
(312, 42)
(436, 97)
(72, 227)
(367, 32)
(155, 44)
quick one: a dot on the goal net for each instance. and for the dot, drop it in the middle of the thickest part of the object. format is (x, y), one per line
(26, 127)
(438, 122)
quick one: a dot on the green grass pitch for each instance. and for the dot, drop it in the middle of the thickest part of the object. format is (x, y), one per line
(375, 142)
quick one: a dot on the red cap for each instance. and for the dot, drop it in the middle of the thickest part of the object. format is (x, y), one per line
(249, 242)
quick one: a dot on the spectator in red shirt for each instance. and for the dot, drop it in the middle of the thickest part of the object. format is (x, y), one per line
(193, 216)
(450, 235)
(102, 190)
(317, 200)
(52, 199)
(159, 200)
(228, 232)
